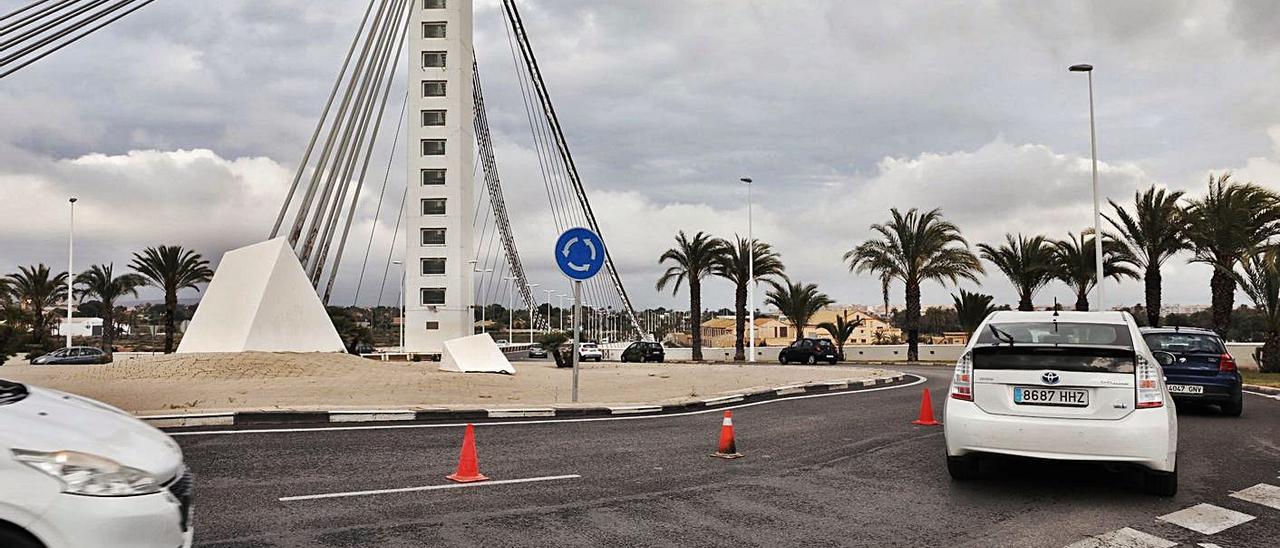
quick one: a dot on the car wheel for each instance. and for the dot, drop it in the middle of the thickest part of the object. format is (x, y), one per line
(1163, 484)
(1234, 407)
(812, 360)
(16, 538)
(833, 362)
(962, 468)
(782, 359)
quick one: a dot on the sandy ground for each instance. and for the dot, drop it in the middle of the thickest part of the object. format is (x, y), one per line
(255, 380)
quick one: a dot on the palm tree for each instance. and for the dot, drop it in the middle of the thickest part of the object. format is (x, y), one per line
(694, 260)
(797, 301)
(1261, 282)
(732, 264)
(914, 248)
(840, 331)
(172, 269)
(101, 283)
(1223, 226)
(39, 290)
(972, 308)
(1075, 262)
(1027, 262)
(1153, 233)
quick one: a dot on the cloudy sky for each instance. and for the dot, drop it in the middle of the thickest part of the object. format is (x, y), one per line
(184, 123)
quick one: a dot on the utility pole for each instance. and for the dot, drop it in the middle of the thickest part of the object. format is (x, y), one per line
(71, 271)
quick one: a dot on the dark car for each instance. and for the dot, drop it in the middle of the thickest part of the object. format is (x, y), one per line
(537, 352)
(644, 352)
(1197, 366)
(75, 355)
(809, 351)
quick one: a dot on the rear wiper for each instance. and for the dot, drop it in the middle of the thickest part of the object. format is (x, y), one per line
(1001, 334)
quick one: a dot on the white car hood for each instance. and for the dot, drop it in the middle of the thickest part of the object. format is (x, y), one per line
(49, 420)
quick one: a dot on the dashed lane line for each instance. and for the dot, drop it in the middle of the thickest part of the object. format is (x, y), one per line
(1263, 493)
(1206, 519)
(1124, 538)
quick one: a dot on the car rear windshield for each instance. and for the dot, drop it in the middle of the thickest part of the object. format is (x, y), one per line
(1184, 343)
(11, 392)
(1098, 359)
(1062, 346)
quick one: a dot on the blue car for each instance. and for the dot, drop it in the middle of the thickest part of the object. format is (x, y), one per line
(1197, 367)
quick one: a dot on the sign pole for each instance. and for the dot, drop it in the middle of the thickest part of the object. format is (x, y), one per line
(577, 304)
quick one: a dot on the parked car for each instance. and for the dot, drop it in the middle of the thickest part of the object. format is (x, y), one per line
(1197, 366)
(810, 351)
(537, 351)
(76, 473)
(75, 355)
(589, 352)
(503, 342)
(1062, 385)
(643, 351)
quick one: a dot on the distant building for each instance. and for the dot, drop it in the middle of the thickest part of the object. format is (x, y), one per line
(84, 327)
(776, 331)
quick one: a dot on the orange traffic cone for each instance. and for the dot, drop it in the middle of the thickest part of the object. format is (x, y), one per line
(926, 411)
(728, 449)
(468, 469)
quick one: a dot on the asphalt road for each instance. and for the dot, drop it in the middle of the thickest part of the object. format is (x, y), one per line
(841, 470)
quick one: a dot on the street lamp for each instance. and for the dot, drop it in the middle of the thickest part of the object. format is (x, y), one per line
(549, 292)
(511, 311)
(480, 271)
(561, 297)
(531, 307)
(403, 298)
(71, 276)
(1097, 215)
(751, 273)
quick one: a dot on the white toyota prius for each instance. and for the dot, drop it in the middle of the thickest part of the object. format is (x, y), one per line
(76, 473)
(1062, 385)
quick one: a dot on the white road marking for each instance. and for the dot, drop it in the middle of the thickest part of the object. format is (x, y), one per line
(425, 488)
(1263, 493)
(1209, 545)
(1206, 519)
(920, 379)
(1123, 538)
(1261, 394)
(521, 413)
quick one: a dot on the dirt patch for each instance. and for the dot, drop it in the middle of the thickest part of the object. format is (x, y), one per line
(259, 380)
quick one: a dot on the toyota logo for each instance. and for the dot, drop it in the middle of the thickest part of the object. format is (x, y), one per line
(1049, 377)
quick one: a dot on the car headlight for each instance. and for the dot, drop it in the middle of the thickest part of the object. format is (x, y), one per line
(85, 474)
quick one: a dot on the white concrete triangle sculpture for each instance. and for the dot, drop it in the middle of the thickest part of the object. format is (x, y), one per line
(474, 354)
(260, 299)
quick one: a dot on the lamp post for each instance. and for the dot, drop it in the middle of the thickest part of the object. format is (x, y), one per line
(511, 311)
(751, 274)
(531, 307)
(1097, 215)
(561, 297)
(480, 271)
(549, 292)
(403, 298)
(71, 276)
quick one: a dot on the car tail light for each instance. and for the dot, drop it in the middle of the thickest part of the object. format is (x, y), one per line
(1226, 363)
(962, 380)
(1148, 377)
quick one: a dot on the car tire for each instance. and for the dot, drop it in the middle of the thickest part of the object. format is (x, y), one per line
(17, 538)
(1235, 407)
(963, 468)
(1162, 484)
(812, 360)
(833, 362)
(782, 359)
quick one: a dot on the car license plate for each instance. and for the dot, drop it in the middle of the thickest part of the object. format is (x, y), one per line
(1185, 389)
(1025, 395)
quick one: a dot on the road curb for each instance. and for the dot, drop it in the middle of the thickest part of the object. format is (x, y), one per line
(354, 417)
(1263, 389)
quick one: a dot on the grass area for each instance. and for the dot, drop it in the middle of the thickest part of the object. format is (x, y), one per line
(1263, 379)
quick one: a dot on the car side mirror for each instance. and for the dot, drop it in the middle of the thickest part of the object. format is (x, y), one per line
(1164, 358)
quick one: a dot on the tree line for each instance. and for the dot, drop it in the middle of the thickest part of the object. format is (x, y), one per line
(1230, 228)
(30, 296)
